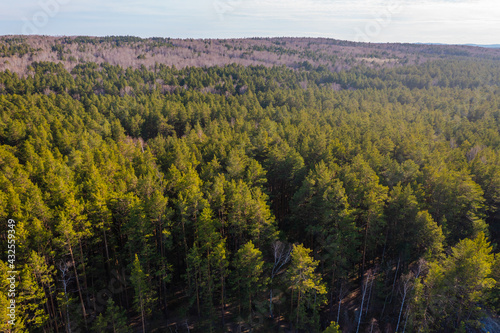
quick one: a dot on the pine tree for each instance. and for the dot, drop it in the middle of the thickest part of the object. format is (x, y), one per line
(32, 297)
(366, 195)
(333, 328)
(456, 202)
(113, 320)
(72, 227)
(220, 264)
(143, 298)
(247, 279)
(10, 320)
(305, 282)
(455, 284)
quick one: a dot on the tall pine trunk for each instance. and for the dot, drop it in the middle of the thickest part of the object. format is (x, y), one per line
(298, 310)
(222, 297)
(78, 285)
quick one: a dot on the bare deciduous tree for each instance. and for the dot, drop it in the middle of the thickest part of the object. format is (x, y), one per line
(64, 267)
(407, 285)
(282, 255)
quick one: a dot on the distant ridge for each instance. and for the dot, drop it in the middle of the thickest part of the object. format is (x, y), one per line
(489, 46)
(18, 53)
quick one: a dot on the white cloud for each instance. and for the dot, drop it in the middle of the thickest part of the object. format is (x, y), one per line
(448, 21)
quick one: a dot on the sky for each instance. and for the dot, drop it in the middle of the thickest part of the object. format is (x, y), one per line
(424, 21)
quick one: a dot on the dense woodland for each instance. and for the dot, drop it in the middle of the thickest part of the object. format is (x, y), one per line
(286, 197)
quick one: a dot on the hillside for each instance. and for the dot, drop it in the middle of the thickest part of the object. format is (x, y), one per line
(17, 52)
(251, 185)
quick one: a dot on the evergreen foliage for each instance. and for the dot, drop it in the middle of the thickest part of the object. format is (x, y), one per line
(220, 197)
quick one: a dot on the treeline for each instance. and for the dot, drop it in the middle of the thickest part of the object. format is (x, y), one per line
(91, 79)
(251, 198)
(17, 53)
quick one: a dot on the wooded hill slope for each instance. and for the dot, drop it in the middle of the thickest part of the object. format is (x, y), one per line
(17, 52)
(248, 196)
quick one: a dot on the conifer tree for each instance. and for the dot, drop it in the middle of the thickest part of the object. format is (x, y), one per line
(143, 298)
(455, 284)
(247, 279)
(333, 328)
(366, 195)
(113, 320)
(305, 282)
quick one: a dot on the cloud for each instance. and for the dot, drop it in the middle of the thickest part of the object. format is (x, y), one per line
(448, 21)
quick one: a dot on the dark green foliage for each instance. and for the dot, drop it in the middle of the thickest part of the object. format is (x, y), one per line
(155, 195)
(248, 281)
(454, 286)
(113, 320)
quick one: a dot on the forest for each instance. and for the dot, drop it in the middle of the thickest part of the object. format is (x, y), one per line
(295, 195)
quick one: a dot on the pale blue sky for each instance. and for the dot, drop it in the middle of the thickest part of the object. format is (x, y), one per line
(434, 21)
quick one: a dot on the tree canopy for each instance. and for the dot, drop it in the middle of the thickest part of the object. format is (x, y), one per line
(226, 198)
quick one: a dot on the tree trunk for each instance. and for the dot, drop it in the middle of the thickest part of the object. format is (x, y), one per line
(364, 249)
(385, 245)
(65, 287)
(84, 272)
(197, 294)
(106, 246)
(78, 286)
(222, 297)
(394, 282)
(401, 308)
(362, 302)
(271, 301)
(239, 298)
(331, 294)
(142, 317)
(163, 285)
(52, 309)
(186, 252)
(406, 320)
(142, 310)
(338, 311)
(291, 308)
(250, 303)
(298, 310)
(369, 296)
